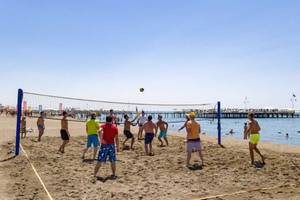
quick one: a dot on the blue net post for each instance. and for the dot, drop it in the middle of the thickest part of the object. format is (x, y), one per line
(19, 113)
(219, 122)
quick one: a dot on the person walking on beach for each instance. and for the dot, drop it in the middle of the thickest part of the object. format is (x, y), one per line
(64, 132)
(41, 125)
(163, 127)
(141, 121)
(254, 137)
(245, 130)
(193, 139)
(127, 132)
(109, 141)
(150, 132)
(92, 128)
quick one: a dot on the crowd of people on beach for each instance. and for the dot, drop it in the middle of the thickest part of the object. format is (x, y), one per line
(103, 139)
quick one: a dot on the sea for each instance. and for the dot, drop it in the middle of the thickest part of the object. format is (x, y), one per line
(278, 131)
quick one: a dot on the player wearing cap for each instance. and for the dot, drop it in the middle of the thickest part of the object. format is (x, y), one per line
(193, 138)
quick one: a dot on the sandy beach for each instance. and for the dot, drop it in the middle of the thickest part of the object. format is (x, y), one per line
(232, 66)
(163, 176)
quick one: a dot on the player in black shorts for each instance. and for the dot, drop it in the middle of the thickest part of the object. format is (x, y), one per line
(64, 132)
(127, 132)
(64, 135)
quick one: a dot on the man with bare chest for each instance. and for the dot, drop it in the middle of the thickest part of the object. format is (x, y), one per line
(127, 132)
(64, 132)
(254, 137)
(150, 132)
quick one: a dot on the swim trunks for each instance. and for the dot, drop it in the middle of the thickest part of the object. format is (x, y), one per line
(41, 127)
(64, 135)
(254, 138)
(193, 144)
(148, 138)
(162, 134)
(92, 140)
(107, 151)
(128, 134)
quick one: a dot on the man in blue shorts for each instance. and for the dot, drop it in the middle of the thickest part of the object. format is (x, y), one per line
(92, 128)
(109, 140)
(150, 129)
(163, 127)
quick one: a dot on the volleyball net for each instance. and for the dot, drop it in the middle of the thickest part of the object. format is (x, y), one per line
(31, 104)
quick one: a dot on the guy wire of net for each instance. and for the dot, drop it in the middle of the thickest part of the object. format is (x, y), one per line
(80, 109)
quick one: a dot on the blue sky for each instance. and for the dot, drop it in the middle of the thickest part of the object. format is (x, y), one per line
(179, 51)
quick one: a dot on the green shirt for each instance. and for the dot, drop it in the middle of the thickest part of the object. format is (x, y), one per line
(92, 127)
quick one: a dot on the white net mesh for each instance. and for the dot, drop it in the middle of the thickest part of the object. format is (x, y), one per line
(80, 109)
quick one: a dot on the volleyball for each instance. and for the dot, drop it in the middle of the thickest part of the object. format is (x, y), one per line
(141, 89)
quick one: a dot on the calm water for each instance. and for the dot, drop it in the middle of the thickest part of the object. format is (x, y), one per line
(273, 130)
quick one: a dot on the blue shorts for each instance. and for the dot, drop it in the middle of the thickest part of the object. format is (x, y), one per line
(107, 151)
(41, 127)
(92, 141)
(148, 138)
(162, 134)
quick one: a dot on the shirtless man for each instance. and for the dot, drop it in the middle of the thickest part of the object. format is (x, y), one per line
(150, 132)
(163, 127)
(64, 132)
(141, 121)
(113, 116)
(193, 138)
(254, 137)
(127, 132)
(41, 125)
(245, 130)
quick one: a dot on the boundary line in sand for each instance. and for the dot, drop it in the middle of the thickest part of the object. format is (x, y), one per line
(36, 173)
(240, 192)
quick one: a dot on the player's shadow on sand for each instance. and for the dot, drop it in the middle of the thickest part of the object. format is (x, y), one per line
(259, 164)
(89, 161)
(7, 159)
(195, 167)
(34, 140)
(104, 179)
(126, 148)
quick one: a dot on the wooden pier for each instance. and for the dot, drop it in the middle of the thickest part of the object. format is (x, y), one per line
(241, 115)
(228, 114)
(206, 114)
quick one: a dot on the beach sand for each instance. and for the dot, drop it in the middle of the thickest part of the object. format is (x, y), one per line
(162, 176)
